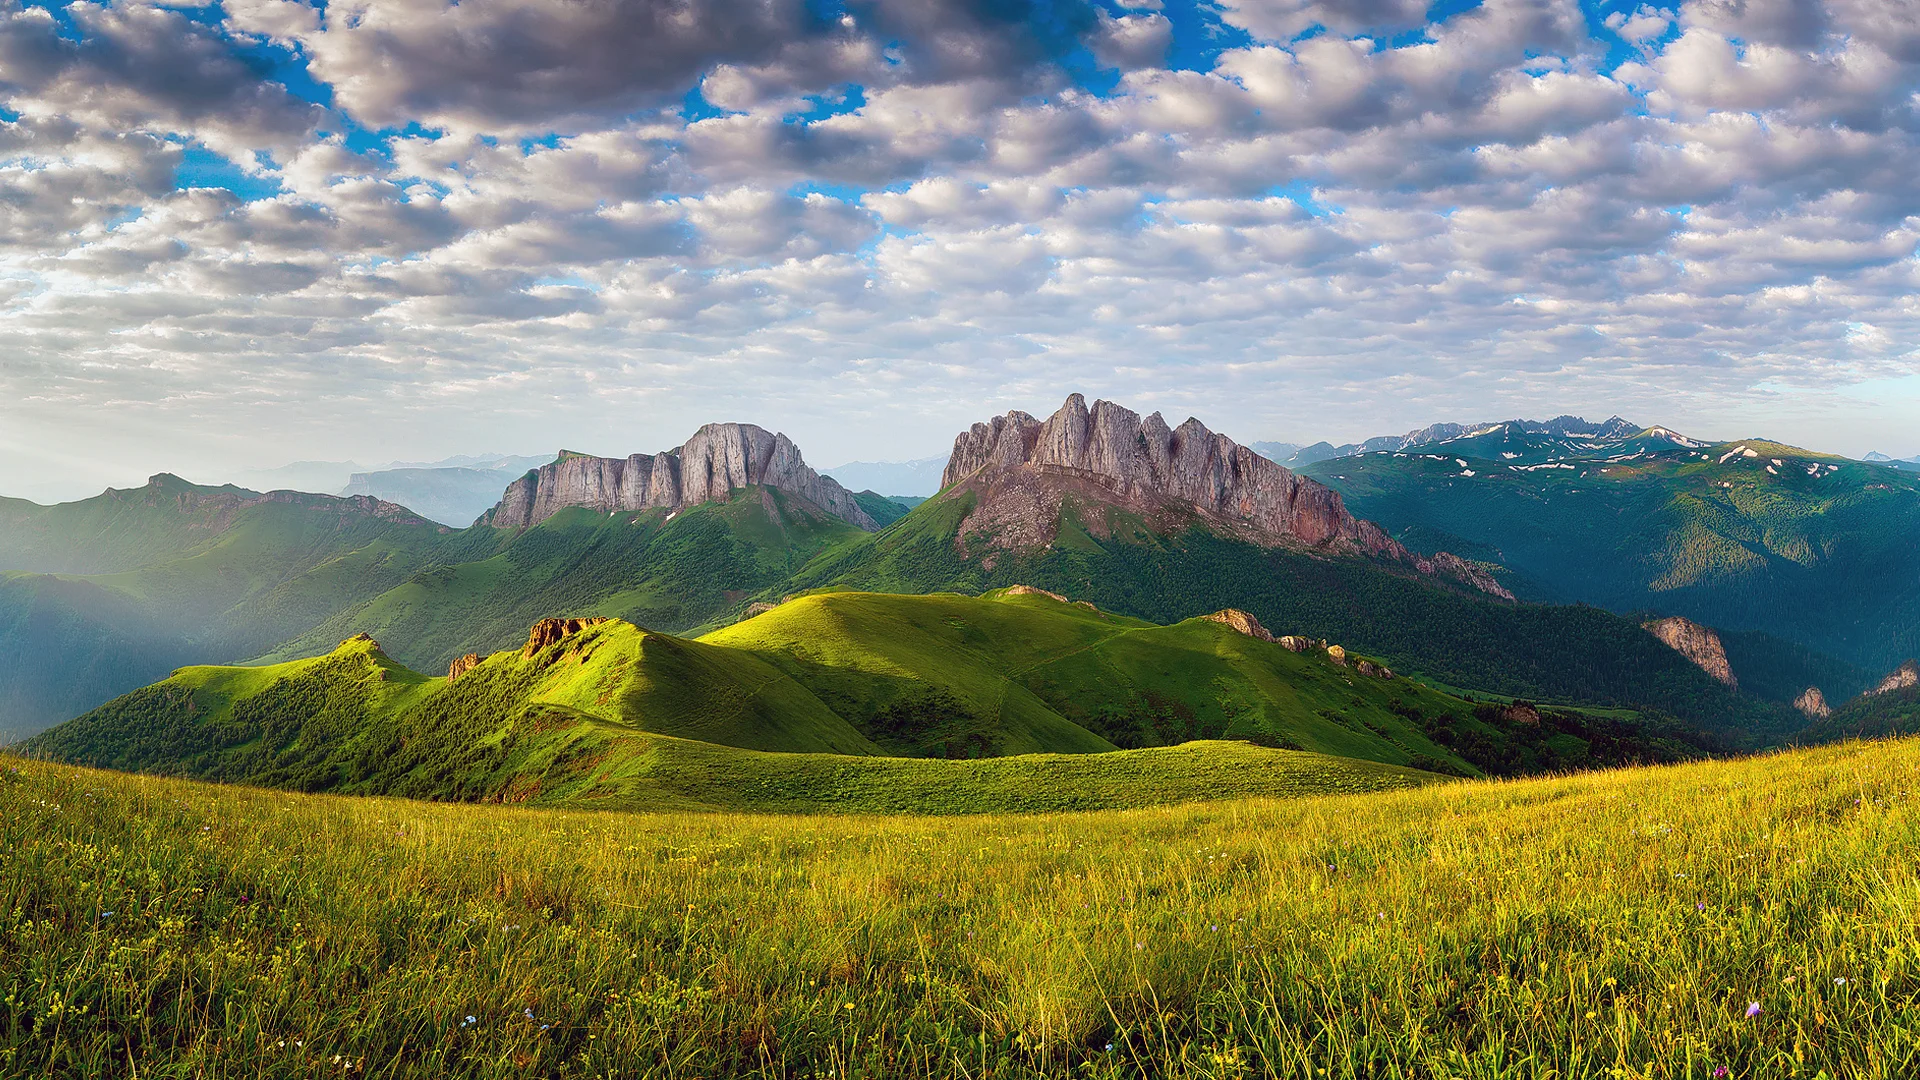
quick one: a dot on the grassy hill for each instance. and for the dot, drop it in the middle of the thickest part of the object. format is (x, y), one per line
(1747, 536)
(183, 574)
(1755, 916)
(593, 714)
(611, 716)
(1553, 653)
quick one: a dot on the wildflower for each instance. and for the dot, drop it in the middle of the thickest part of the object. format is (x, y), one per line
(848, 1005)
(1753, 1009)
(1840, 982)
(1722, 1070)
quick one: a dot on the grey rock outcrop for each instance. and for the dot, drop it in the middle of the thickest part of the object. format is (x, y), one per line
(1900, 678)
(1022, 470)
(1697, 643)
(1813, 704)
(707, 468)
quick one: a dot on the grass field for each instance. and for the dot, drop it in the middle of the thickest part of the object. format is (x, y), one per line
(1760, 917)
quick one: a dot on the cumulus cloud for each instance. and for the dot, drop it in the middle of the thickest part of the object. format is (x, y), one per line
(556, 217)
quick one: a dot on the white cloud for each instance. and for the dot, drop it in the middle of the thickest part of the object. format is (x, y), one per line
(1360, 228)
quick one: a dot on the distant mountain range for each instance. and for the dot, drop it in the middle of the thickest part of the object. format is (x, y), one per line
(919, 478)
(1560, 427)
(1409, 555)
(1748, 535)
(337, 477)
(1911, 464)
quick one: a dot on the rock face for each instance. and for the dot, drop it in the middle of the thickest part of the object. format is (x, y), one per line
(718, 459)
(1022, 470)
(550, 631)
(1697, 643)
(1813, 704)
(1902, 677)
(1241, 621)
(1147, 463)
(1031, 590)
(461, 665)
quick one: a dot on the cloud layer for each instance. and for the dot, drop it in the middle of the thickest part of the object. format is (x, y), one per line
(261, 229)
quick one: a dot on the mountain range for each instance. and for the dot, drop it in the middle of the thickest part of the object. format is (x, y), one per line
(1748, 535)
(1141, 519)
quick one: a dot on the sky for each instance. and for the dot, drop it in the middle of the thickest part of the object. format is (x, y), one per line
(239, 233)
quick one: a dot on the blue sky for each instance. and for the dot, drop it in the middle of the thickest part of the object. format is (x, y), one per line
(251, 231)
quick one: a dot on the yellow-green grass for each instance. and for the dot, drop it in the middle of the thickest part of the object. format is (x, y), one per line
(631, 771)
(1618, 924)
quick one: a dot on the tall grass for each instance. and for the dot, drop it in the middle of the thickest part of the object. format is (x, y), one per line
(1614, 924)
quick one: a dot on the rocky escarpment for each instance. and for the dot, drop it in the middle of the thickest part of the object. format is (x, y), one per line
(552, 631)
(1900, 678)
(1023, 470)
(1241, 622)
(1697, 643)
(1813, 704)
(707, 468)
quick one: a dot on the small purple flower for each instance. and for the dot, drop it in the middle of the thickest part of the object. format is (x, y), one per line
(1753, 1009)
(1722, 1070)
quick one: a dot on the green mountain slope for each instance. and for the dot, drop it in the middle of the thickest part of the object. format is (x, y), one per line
(674, 571)
(845, 673)
(227, 574)
(1746, 536)
(1564, 654)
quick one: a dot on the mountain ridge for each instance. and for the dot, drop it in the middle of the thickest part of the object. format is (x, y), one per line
(706, 468)
(1023, 472)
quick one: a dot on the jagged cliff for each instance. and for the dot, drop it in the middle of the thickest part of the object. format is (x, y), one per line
(1698, 644)
(718, 459)
(1022, 470)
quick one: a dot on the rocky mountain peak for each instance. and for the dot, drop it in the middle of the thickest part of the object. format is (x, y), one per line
(1697, 643)
(706, 468)
(1022, 470)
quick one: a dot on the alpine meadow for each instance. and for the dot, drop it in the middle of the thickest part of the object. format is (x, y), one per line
(1372, 540)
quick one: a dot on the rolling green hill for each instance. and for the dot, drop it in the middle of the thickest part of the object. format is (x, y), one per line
(1746, 536)
(581, 711)
(1569, 654)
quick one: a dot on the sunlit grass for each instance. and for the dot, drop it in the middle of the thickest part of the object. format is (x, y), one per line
(1610, 924)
